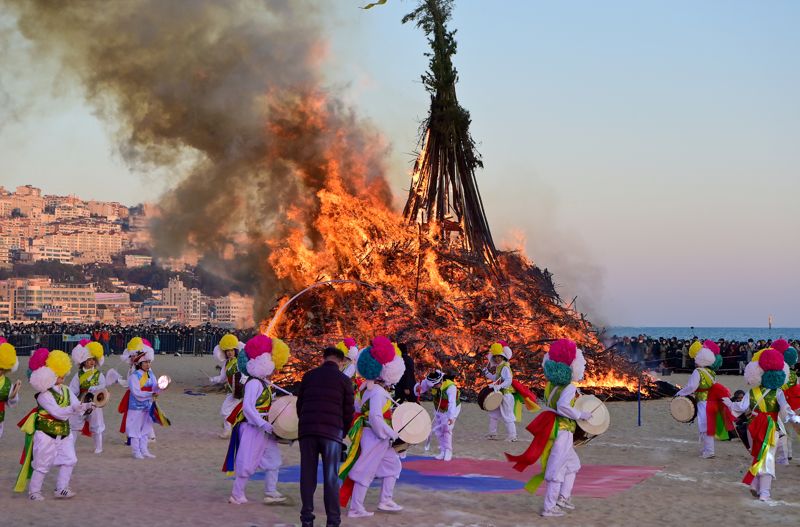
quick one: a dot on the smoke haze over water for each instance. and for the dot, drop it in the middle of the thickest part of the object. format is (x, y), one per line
(228, 99)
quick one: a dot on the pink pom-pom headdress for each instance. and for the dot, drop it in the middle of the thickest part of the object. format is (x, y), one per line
(257, 346)
(780, 345)
(38, 358)
(383, 350)
(771, 360)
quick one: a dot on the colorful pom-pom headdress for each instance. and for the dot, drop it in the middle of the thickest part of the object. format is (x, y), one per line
(381, 361)
(138, 350)
(767, 369)
(500, 348)
(705, 354)
(227, 342)
(262, 355)
(86, 350)
(46, 367)
(8, 357)
(564, 362)
(349, 348)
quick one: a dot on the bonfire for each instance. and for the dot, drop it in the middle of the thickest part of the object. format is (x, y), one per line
(430, 277)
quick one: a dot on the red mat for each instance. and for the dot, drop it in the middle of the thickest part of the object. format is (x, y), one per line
(594, 481)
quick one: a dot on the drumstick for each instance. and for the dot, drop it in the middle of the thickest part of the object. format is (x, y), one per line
(280, 389)
(203, 372)
(410, 420)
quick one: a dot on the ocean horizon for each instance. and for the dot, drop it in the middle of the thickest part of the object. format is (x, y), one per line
(713, 333)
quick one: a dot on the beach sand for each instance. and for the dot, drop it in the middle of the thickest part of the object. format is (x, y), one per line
(184, 485)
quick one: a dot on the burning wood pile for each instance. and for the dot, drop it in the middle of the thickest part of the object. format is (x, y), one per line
(432, 277)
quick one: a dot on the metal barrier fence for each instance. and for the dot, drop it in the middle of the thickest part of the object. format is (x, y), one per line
(196, 342)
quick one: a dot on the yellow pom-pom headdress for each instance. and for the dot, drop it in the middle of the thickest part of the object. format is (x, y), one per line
(8, 357)
(280, 353)
(695, 348)
(96, 351)
(500, 348)
(227, 342)
(59, 362)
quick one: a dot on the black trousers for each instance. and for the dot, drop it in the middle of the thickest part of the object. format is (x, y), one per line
(311, 448)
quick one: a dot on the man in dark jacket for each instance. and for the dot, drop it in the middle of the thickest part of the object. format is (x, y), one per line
(325, 410)
(404, 389)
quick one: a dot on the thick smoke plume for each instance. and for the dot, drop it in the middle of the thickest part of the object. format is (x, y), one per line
(227, 97)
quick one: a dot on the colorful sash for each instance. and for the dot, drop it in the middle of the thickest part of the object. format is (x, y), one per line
(29, 424)
(791, 390)
(440, 401)
(231, 369)
(355, 433)
(707, 378)
(237, 417)
(719, 419)
(87, 379)
(523, 396)
(763, 431)
(544, 430)
(5, 391)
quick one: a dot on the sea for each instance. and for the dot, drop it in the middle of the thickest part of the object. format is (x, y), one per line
(736, 334)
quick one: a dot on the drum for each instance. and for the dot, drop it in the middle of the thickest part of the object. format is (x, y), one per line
(489, 400)
(400, 446)
(683, 409)
(238, 386)
(412, 423)
(580, 437)
(283, 418)
(594, 426)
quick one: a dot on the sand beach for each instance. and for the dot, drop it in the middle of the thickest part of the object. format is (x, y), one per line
(184, 485)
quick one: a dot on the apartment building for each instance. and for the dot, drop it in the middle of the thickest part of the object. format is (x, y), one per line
(234, 310)
(63, 302)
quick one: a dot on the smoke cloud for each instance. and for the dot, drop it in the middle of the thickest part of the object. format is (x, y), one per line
(228, 99)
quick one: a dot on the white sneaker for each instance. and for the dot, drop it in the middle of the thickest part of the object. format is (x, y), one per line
(149, 455)
(359, 514)
(237, 501)
(63, 494)
(564, 503)
(448, 455)
(553, 513)
(137, 455)
(98, 451)
(274, 497)
(707, 455)
(36, 496)
(765, 498)
(389, 506)
(440, 455)
(512, 440)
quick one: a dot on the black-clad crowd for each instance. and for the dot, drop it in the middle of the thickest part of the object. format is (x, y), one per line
(673, 353)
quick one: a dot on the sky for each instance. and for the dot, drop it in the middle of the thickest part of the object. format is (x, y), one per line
(644, 152)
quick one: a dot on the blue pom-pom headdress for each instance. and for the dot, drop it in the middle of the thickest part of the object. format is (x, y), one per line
(367, 365)
(773, 379)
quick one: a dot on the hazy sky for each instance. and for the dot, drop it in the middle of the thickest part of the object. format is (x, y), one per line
(646, 151)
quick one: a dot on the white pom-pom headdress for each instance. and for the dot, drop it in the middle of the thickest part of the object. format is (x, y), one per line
(46, 367)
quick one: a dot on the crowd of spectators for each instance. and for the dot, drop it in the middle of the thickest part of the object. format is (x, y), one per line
(672, 354)
(164, 338)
